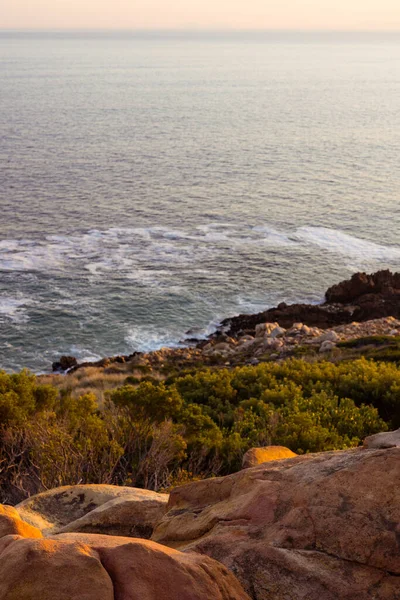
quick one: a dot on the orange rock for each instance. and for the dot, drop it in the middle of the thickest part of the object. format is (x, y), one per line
(75, 566)
(48, 570)
(316, 527)
(144, 570)
(257, 456)
(10, 523)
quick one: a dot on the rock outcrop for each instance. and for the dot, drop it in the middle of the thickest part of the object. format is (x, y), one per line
(362, 298)
(258, 456)
(299, 336)
(97, 567)
(382, 283)
(388, 439)
(324, 526)
(108, 509)
(65, 363)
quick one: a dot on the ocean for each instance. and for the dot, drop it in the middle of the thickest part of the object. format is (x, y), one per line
(155, 183)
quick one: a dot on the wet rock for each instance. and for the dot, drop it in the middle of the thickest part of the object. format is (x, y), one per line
(64, 364)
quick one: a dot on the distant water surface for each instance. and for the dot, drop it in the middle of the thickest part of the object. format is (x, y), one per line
(150, 184)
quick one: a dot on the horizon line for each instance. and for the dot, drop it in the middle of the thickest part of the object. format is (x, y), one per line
(195, 30)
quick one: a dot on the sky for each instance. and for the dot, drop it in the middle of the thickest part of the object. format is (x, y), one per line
(353, 15)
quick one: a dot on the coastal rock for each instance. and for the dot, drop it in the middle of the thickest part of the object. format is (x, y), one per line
(244, 339)
(277, 332)
(388, 439)
(257, 456)
(327, 346)
(95, 508)
(222, 347)
(96, 567)
(310, 527)
(361, 284)
(328, 336)
(265, 329)
(64, 364)
(362, 298)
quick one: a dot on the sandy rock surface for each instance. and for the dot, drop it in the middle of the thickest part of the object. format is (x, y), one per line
(96, 567)
(323, 526)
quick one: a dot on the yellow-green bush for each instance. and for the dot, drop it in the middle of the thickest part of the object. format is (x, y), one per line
(148, 434)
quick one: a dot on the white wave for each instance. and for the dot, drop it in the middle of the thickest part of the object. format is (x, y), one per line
(212, 233)
(82, 354)
(14, 309)
(273, 237)
(144, 338)
(347, 245)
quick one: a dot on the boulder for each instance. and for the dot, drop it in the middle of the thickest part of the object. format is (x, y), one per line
(277, 332)
(223, 348)
(124, 516)
(327, 346)
(265, 329)
(96, 508)
(245, 339)
(323, 526)
(328, 336)
(64, 364)
(388, 439)
(257, 456)
(96, 567)
(12, 524)
(361, 284)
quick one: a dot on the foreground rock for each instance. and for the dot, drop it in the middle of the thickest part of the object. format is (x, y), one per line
(96, 567)
(324, 526)
(258, 456)
(108, 509)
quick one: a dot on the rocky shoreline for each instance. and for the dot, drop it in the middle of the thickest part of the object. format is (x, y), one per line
(361, 307)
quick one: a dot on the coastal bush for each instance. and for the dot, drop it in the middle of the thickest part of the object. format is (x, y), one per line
(152, 434)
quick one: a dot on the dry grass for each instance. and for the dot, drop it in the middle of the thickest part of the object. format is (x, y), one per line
(90, 379)
(96, 380)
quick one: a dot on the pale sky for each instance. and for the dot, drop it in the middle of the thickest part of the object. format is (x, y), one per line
(201, 14)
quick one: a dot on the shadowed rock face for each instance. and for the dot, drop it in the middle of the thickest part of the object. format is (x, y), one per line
(314, 527)
(96, 567)
(108, 509)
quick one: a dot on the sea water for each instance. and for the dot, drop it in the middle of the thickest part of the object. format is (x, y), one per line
(153, 183)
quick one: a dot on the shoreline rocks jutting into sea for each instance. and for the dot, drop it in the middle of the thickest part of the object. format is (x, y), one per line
(364, 306)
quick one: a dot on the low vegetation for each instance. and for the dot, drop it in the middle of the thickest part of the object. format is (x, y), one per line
(156, 434)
